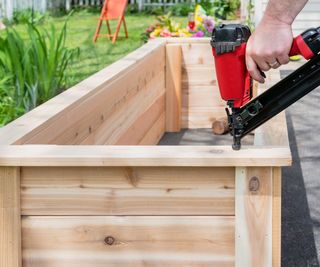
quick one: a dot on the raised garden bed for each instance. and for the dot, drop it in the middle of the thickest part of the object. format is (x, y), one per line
(83, 182)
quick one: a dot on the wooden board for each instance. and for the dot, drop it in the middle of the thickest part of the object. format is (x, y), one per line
(274, 132)
(192, 156)
(198, 117)
(276, 218)
(137, 241)
(173, 87)
(156, 131)
(127, 191)
(87, 105)
(105, 116)
(142, 126)
(10, 220)
(253, 226)
(201, 102)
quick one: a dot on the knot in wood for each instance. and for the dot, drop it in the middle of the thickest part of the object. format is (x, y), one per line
(109, 240)
(254, 184)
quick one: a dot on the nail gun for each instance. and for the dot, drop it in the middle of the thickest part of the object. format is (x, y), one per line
(244, 113)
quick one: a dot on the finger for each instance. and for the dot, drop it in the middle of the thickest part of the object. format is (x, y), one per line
(275, 64)
(253, 69)
(263, 65)
(283, 59)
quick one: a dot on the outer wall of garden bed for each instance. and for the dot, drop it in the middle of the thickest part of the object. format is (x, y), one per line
(82, 182)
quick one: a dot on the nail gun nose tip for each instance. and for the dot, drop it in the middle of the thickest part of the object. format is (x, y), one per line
(236, 147)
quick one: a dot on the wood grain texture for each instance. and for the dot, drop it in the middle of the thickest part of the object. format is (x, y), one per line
(201, 102)
(128, 110)
(276, 218)
(221, 156)
(127, 191)
(187, 40)
(137, 241)
(220, 126)
(10, 220)
(274, 132)
(141, 127)
(253, 213)
(173, 87)
(156, 132)
(198, 117)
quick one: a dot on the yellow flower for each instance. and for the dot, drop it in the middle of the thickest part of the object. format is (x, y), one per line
(184, 33)
(199, 13)
(156, 32)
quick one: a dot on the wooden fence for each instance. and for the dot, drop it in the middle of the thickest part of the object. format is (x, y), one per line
(7, 7)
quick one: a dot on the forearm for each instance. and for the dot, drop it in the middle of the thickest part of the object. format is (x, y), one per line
(283, 11)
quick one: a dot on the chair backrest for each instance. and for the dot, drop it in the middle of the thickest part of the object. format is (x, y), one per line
(113, 9)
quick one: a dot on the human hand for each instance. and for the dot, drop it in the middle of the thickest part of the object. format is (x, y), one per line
(268, 47)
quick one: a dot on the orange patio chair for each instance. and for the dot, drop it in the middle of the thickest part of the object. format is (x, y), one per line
(112, 10)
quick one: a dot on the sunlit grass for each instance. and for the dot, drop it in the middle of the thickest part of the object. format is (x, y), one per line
(94, 57)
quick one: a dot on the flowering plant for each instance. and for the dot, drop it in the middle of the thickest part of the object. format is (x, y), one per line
(167, 27)
(204, 27)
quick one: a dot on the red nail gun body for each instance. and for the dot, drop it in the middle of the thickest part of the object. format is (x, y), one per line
(235, 84)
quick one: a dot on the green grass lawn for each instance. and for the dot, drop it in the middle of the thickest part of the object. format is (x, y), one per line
(94, 57)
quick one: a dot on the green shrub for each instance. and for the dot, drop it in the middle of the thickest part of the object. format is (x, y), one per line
(182, 9)
(58, 11)
(225, 9)
(207, 4)
(8, 110)
(28, 16)
(33, 71)
(132, 9)
(154, 10)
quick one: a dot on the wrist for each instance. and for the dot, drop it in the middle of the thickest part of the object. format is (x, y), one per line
(277, 20)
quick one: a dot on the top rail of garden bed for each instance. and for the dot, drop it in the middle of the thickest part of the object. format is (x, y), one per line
(271, 147)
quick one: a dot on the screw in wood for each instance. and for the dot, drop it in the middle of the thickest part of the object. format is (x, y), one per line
(109, 240)
(254, 184)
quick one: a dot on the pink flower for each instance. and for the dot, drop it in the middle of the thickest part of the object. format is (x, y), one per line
(165, 33)
(150, 29)
(199, 34)
(208, 23)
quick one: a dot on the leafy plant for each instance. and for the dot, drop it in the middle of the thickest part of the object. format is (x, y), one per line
(28, 16)
(250, 12)
(167, 21)
(182, 9)
(8, 110)
(224, 9)
(207, 5)
(33, 71)
(157, 11)
(132, 8)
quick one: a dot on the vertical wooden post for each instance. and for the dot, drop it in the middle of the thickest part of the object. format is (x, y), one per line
(140, 5)
(276, 218)
(10, 219)
(243, 9)
(253, 240)
(173, 87)
(258, 11)
(68, 5)
(9, 10)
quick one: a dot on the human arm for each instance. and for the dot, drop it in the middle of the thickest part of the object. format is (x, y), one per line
(271, 42)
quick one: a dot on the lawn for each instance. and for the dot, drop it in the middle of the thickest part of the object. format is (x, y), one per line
(94, 57)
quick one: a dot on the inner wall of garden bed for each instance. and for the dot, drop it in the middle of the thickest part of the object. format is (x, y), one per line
(84, 183)
(117, 116)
